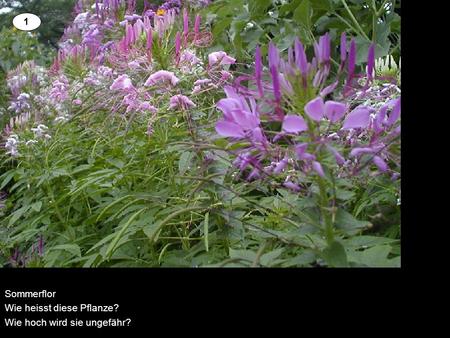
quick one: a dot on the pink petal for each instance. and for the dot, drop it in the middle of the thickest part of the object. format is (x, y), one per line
(294, 124)
(380, 163)
(229, 129)
(358, 118)
(334, 110)
(315, 109)
(395, 113)
(318, 168)
(300, 149)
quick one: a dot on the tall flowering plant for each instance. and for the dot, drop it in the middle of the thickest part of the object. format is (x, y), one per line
(113, 59)
(297, 126)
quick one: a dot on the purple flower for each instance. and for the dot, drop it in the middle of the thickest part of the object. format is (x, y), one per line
(122, 83)
(380, 163)
(334, 111)
(197, 26)
(147, 106)
(274, 56)
(352, 58)
(280, 166)
(340, 160)
(292, 186)
(318, 168)
(371, 62)
(220, 58)
(315, 109)
(356, 152)
(181, 102)
(185, 23)
(300, 57)
(294, 124)
(395, 113)
(229, 129)
(276, 83)
(343, 47)
(238, 117)
(322, 49)
(189, 58)
(161, 77)
(258, 70)
(358, 118)
(149, 42)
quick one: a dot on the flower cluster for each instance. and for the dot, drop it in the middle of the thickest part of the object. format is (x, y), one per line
(289, 127)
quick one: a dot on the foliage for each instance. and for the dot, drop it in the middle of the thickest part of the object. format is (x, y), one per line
(260, 22)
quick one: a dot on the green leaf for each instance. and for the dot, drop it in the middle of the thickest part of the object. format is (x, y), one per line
(258, 8)
(7, 179)
(303, 13)
(304, 259)
(113, 245)
(17, 214)
(72, 248)
(367, 241)
(347, 223)
(289, 7)
(376, 256)
(185, 162)
(268, 258)
(246, 255)
(36, 206)
(335, 255)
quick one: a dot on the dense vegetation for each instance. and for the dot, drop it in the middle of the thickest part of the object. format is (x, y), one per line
(180, 133)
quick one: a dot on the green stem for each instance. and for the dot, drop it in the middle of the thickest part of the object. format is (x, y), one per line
(329, 231)
(259, 254)
(374, 22)
(354, 19)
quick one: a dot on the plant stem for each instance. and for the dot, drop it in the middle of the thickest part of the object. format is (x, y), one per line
(354, 19)
(259, 254)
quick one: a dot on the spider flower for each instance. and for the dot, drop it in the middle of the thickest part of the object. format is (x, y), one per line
(122, 83)
(181, 102)
(220, 58)
(162, 77)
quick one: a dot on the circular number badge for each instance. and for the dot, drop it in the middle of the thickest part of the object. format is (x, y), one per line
(26, 22)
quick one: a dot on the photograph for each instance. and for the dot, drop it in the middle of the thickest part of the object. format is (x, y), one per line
(199, 134)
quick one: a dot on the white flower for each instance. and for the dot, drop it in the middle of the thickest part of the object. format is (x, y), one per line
(249, 25)
(11, 145)
(41, 131)
(30, 142)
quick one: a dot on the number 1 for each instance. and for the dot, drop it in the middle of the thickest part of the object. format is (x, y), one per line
(26, 21)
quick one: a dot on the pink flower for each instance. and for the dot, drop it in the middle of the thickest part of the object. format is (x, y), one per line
(334, 111)
(294, 124)
(147, 106)
(220, 58)
(181, 102)
(315, 109)
(122, 83)
(134, 64)
(202, 84)
(162, 76)
(189, 57)
(358, 118)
